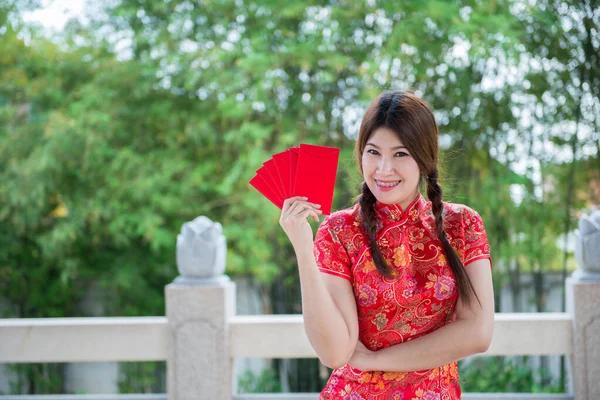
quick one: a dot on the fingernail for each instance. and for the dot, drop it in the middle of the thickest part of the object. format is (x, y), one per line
(318, 205)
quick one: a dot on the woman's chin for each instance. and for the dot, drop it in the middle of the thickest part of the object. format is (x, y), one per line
(388, 198)
(395, 197)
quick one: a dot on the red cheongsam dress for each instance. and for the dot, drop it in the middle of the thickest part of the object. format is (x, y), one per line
(419, 299)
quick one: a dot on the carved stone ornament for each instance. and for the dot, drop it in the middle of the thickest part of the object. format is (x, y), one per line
(201, 251)
(587, 249)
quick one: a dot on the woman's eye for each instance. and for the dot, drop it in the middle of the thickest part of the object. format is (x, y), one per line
(371, 151)
(401, 154)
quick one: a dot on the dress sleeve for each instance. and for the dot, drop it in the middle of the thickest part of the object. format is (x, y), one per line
(475, 241)
(330, 254)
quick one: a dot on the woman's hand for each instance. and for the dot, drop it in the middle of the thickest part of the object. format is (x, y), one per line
(362, 358)
(294, 222)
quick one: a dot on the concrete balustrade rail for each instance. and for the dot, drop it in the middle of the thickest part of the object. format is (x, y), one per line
(259, 336)
(277, 336)
(200, 335)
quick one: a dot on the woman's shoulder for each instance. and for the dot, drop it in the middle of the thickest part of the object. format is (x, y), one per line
(458, 208)
(461, 212)
(348, 214)
(344, 219)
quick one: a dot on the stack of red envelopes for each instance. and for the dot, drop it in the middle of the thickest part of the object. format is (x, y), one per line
(307, 170)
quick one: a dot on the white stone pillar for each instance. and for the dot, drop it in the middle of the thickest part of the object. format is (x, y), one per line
(583, 303)
(199, 304)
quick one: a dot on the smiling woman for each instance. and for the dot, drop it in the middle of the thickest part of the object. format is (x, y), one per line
(396, 289)
(391, 174)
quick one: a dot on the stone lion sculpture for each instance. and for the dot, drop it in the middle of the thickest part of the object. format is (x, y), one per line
(201, 249)
(587, 249)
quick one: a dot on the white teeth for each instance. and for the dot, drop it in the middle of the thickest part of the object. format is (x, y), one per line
(387, 185)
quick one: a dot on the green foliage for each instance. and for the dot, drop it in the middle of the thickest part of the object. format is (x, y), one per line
(36, 378)
(104, 154)
(265, 382)
(142, 377)
(495, 374)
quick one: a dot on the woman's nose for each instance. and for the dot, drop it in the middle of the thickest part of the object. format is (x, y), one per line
(384, 165)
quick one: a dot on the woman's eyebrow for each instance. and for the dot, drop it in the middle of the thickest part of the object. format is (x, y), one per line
(393, 148)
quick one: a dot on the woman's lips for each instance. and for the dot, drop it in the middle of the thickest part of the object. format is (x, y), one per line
(386, 186)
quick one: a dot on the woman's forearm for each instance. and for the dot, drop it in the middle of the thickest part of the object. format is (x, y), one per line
(324, 322)
(450, 343)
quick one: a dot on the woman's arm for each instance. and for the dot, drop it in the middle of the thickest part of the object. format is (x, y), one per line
(330, 316)
(470, 334)
(328, 304)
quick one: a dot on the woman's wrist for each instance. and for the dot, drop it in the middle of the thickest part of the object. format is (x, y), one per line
(304, 254)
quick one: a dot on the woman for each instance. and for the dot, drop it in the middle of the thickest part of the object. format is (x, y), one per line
(396, 289)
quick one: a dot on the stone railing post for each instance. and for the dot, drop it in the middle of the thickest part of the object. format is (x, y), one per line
(583, 303)
(199, 304)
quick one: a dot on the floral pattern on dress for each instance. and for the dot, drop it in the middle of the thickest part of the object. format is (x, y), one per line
(367, 296)
(443, 286)
(419, 298)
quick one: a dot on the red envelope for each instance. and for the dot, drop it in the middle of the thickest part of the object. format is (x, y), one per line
(266, 176)
(315, 174)
(282, 162)
(259, 184)
(294, 153)
(277, 186)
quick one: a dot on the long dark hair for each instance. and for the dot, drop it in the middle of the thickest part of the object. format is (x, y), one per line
(413, 121)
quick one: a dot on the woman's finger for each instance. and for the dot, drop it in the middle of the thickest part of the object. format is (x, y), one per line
(293, 210)
(300, 207)
(290, 201)
(309, 212)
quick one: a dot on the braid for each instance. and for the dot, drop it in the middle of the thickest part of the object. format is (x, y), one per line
(366, 200)
(434, 193)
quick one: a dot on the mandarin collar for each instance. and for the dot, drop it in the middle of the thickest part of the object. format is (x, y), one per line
(390, 213)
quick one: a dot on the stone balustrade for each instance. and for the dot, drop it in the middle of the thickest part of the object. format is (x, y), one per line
(200, 335)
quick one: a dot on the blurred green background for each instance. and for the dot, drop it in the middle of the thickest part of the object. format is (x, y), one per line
(140, 115)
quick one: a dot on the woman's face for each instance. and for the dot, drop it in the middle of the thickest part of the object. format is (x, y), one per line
(389, 170)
